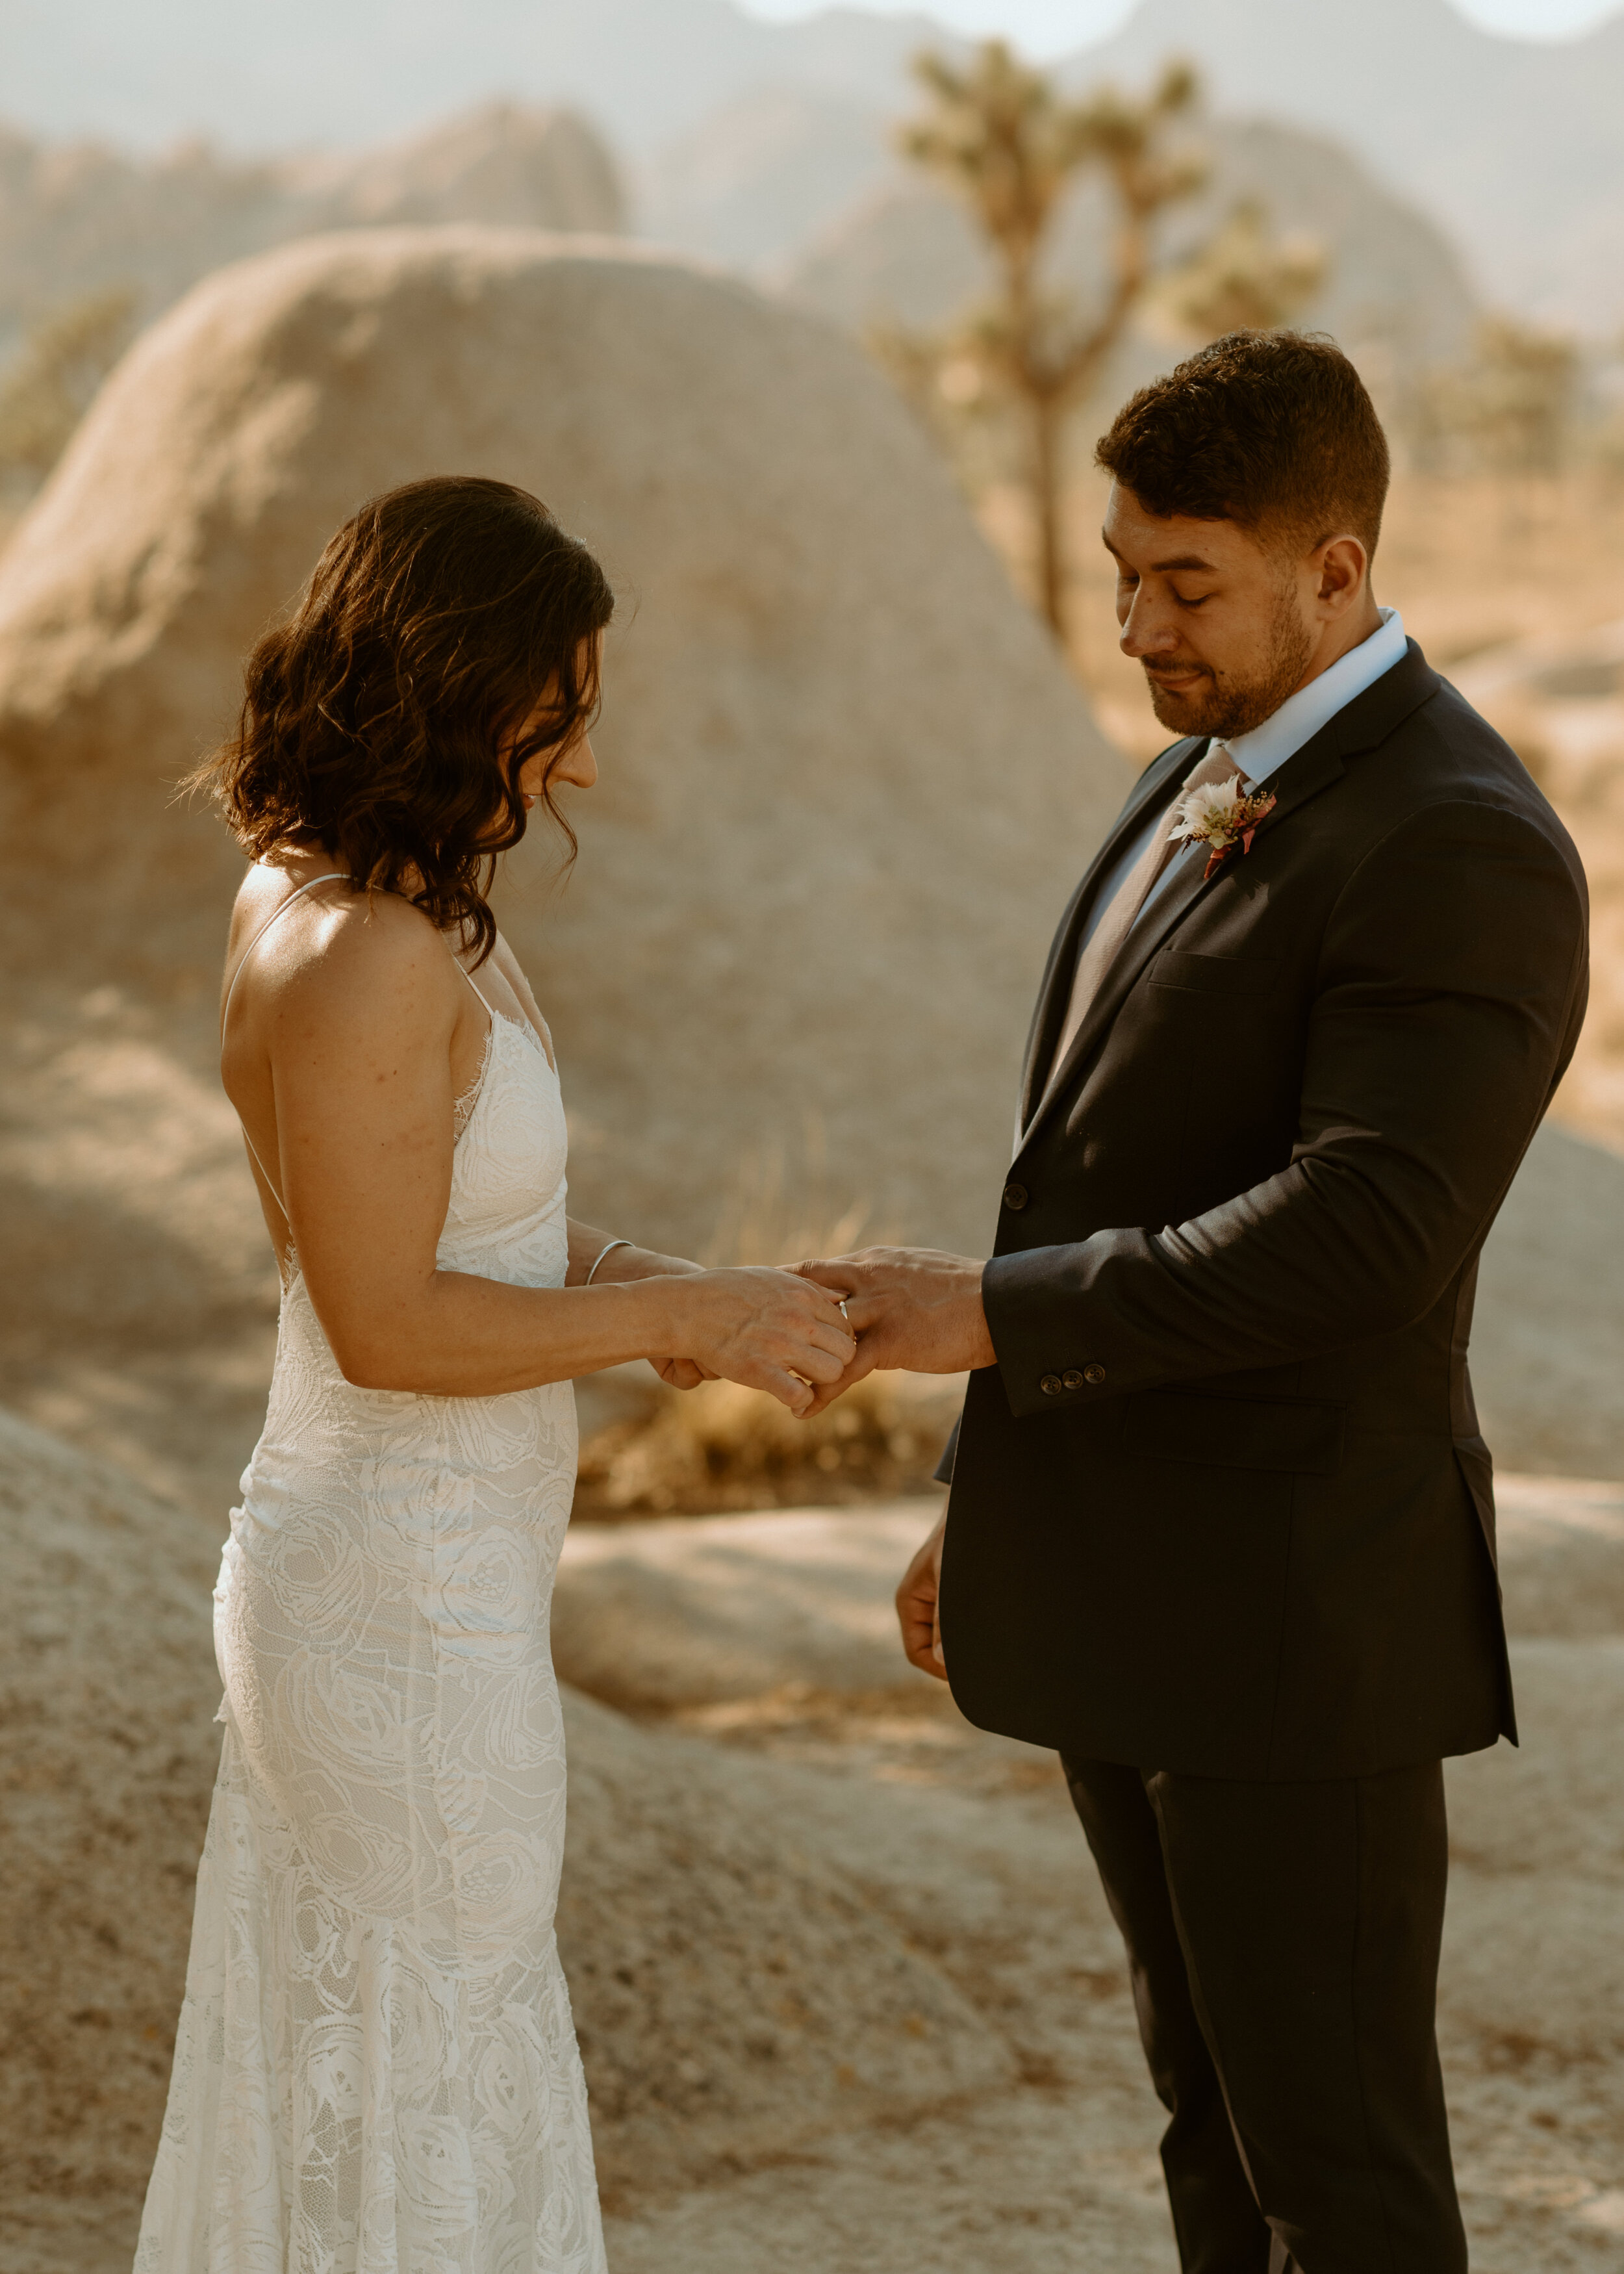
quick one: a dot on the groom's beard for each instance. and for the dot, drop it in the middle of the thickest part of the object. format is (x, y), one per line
(1237, 706)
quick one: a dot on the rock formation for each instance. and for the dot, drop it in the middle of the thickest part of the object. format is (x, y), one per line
(83, 218)
(848, 785)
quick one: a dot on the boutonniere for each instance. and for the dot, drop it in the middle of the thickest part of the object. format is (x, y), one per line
(1217, 815)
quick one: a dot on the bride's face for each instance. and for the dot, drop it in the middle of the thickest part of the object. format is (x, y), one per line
(575, 763)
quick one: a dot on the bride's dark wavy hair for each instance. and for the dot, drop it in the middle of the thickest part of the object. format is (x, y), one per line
(381, 719)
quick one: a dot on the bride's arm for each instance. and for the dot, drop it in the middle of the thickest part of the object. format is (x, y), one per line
(357, 1055)
(606, 1257)
(626, 1261)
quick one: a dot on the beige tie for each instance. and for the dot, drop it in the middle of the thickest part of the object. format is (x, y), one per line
(1130, 897)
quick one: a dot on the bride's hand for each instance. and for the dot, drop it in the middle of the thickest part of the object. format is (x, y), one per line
(759, 1326)
(681, 1373)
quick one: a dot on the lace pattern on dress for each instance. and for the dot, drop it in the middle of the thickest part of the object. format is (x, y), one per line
(376, 2070)
(463, 1107)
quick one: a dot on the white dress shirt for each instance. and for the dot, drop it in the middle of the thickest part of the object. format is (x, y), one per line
(1258, 753)
(1265, 750)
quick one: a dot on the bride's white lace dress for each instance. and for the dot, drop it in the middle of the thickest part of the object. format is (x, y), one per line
(376, 2071)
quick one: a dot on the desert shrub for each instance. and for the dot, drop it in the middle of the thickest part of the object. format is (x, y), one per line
(54, 380)
(698, 1451)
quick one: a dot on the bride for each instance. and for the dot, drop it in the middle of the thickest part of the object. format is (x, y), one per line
(376, 2069)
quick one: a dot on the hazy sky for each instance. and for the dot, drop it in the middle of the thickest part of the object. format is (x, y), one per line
(1045, 27)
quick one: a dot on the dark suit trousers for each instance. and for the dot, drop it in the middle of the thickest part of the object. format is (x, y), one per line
(1283, 1944)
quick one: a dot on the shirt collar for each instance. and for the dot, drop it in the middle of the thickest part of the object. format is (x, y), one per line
(1267, 748)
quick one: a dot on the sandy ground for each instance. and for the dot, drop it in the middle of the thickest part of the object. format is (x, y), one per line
(849, 1785)
(969, 1839)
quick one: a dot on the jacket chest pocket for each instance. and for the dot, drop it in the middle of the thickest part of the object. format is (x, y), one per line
(1213, 975)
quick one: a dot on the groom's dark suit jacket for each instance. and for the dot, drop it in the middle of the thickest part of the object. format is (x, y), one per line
(1223, 1506)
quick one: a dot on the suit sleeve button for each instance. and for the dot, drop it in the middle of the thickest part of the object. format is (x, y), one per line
(1072, 1379)
(1050, 1384)
(1093, 1371)
(1015, 1196)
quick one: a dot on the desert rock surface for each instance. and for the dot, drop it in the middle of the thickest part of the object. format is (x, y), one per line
(846, 782)
(848, 1994)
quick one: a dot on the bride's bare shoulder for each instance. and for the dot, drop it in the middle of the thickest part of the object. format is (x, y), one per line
(341, 953)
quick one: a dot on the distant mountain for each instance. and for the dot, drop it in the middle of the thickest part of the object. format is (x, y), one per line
(78, 220)
(1516, 149)
(754, 182)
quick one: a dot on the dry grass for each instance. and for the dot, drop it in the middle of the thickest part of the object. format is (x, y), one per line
(723, 1447)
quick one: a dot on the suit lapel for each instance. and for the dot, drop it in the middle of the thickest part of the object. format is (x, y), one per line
(1152, 789)
(1366, 721)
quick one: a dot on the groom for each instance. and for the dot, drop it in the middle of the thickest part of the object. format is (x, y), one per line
(1221, 1525)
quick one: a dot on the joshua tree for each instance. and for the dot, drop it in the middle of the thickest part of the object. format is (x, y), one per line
(1011, 145)
(1244, 280)
(1520, 396)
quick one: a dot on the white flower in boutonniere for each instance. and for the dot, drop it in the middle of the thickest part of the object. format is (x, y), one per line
(1217, 815)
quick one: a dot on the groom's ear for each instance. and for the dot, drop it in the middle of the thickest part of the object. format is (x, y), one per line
(1344, 565)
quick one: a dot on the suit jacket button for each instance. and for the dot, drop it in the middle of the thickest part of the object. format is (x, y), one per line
(1072, 1379)
(1015, 1196)
(1094, 1372)
(1050, 1384)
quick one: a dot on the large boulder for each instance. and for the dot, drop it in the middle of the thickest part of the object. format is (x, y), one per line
(847, 783)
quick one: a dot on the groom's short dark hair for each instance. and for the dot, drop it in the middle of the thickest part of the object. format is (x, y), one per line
(1274, 430)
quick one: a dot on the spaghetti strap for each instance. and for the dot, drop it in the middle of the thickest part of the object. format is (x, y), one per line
(225, 1009)
(332, 875)
(468, 975)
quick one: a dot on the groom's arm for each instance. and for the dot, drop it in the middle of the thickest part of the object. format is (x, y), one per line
(1448, 985)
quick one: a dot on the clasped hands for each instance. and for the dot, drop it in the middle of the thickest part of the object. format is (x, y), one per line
(918, 1309)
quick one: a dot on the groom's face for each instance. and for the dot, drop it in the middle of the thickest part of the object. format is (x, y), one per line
(1223, 627)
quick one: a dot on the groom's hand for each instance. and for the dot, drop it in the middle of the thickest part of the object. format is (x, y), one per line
(913, 1307)
(917, 1607)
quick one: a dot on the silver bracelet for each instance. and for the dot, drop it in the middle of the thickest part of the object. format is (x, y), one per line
(599, 1257)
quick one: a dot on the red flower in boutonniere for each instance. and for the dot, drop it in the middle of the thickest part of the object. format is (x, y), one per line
(1218, 816)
